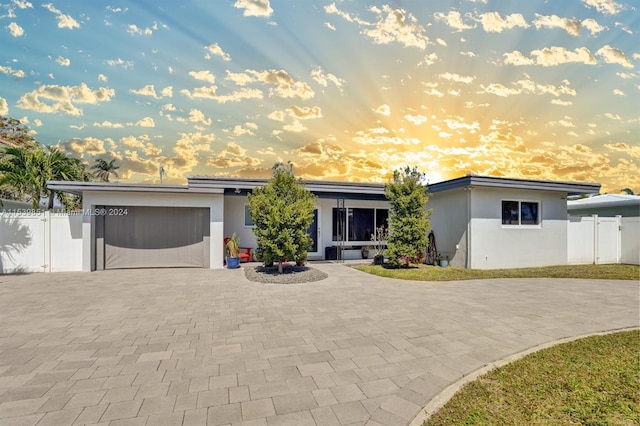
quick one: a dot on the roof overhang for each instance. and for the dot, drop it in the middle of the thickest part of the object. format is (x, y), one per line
(471, 181)
(321, 188)
(79, 187)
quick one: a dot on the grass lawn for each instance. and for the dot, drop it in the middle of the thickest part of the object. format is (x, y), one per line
(436, 273)
(592, 381)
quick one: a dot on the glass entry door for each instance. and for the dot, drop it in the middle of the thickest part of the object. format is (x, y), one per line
(314, 233)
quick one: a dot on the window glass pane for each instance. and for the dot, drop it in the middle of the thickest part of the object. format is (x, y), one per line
(510, 213)
(382, 216)
(338, 224)
(360, 224)
(248, 220)
(529, 213)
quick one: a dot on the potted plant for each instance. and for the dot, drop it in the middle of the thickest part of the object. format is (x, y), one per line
(442, 261)
(365, 252)
(382, 234)
(233, 249)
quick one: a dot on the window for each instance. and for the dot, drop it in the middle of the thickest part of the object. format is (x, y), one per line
(248, 220)
(520, 213)
(357, 224)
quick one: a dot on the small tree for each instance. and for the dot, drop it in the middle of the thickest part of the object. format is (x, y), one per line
(408, 220)
(282, 211)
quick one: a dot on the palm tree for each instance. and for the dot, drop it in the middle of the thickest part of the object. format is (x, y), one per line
(627, 191)
(103, 169)
(26, 171)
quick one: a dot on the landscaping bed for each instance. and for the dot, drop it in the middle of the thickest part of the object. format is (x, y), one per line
(292, 274)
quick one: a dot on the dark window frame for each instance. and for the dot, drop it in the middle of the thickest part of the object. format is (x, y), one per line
(521, 213)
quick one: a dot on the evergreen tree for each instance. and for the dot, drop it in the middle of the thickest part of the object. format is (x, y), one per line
(408, 220)
(282, 211)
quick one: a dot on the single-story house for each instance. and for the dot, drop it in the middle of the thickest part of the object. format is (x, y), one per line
(606, 205)
(479, 222)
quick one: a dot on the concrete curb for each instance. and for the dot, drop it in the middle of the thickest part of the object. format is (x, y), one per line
(443, 397)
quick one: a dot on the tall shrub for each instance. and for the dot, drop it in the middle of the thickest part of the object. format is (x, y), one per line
(282, 211)
(408, 219)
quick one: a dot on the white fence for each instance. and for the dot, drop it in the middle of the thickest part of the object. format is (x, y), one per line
(600, 240)
(40, 242)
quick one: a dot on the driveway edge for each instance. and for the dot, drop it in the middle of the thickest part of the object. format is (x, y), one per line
(445, 395)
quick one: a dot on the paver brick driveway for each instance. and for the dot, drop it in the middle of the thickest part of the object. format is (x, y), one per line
(196, 347)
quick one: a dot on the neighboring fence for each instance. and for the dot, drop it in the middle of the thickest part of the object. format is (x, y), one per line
(600, 240)
(40, 242)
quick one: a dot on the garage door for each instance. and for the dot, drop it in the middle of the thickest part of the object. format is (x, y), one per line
(153, 237)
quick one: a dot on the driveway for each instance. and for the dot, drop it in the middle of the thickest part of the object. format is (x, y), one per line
(196, 347)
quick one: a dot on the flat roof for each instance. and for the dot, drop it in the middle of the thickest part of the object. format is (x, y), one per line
(357, 190)
(79, 187)
(604, 200)
(571, 188)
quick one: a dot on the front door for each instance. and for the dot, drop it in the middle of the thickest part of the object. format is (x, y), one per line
(314, 233)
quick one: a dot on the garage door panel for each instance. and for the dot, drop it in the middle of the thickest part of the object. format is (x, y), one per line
(148, 237)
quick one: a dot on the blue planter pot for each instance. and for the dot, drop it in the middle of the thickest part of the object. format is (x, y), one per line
(444, 263)
(233, 262)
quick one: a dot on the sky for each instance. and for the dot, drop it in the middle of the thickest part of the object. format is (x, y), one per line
(346, 90)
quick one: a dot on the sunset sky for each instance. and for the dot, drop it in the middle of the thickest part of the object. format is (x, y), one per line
(346, 90)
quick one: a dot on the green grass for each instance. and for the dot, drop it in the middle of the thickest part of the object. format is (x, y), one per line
(436, 273)
(592, 381)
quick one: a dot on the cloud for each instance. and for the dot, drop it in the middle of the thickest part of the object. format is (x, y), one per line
(416, 119)
(606, 7)
(453, 19)
(108, 124)
(527, 87)
(22, 4)
(285, 85)
(82, 147)
(203, 76)
(145, 122)
(296, 127)
(4, 107)
(64, 21)
(18, 74)
(304, 113)
(571, 25)
(63, 62)
(254, 7)
(103, 78)
(197, 116)
(457, 78)
(233, 155)
(15, 29)
(383, 109)
(148, 90)
(492, 22)
(120, 62)
(392, 25)
(239, 130)
(324, 79)
(210, 92)
(216, 50)
(631, 151)
(468, 54)
(63, 98)
(550, 56)
(397, 25)
(611, 55)
(134, 30)
(618, 92)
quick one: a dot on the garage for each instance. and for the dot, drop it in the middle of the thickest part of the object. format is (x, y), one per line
(151, 237)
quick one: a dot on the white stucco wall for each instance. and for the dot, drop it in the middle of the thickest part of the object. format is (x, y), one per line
(494, 245)
(449, 224)
(215, 203)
